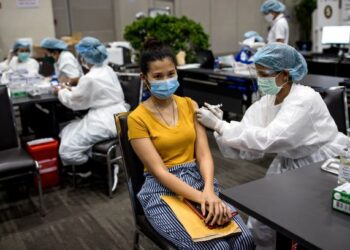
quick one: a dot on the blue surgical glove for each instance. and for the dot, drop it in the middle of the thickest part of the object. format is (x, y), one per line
(209, 120)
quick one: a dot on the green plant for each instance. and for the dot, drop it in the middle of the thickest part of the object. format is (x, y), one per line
(303, 13)
(180, 33)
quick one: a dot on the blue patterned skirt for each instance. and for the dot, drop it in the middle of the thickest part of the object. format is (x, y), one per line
(165, 222)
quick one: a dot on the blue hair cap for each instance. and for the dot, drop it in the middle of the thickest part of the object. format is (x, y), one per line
(92, 50)
(280, 57)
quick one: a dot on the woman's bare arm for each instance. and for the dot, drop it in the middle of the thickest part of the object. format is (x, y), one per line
(149, 156)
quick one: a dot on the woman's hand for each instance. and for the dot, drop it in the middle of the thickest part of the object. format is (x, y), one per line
(218, 212)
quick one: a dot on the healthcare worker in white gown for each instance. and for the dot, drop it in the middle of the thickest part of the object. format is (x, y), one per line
(290, 120)
(100, 92)
(279, 28)
(19, 60)
(67, 67)
(22, 61)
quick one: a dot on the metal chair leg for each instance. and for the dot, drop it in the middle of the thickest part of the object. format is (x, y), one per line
(40, 190)
(136, 240)
(109, 176)
(74, 177)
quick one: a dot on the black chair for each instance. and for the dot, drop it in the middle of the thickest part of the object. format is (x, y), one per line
(14, 161)
(106, 152)
(336, 101)
(205, 58)
(135, 179)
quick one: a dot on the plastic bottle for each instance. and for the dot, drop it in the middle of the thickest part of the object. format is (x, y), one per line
(54, 80)
(216, 64)
(344, 167)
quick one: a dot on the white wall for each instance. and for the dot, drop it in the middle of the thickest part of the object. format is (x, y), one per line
(36, 23)
(224, 20)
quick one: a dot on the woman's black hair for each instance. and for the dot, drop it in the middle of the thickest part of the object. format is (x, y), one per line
(154, 50)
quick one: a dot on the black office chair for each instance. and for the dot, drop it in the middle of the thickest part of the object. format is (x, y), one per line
(106, 152)
(205, 58)
(135, 179)
(336, 101)
(14, 161)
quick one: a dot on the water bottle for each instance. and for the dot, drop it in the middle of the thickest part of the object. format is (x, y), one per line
(216, 64)
(344, 167)
(54, 80)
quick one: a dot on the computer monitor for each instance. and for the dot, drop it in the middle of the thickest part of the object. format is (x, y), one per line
(335, 35)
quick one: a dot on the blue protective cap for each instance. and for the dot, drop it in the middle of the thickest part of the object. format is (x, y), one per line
(280, 57)
(53, 43)
(91, 50)
(20, 43)
(272, 5)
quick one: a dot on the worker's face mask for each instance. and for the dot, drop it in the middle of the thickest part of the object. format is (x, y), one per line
(163, 89)
(23, 56)
(268, 86)
(269, 18)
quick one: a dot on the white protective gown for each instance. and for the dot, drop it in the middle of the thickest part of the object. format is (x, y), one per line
(31, 65)
(279, 30)
(101, 93)
(67, 66)
(300, 131)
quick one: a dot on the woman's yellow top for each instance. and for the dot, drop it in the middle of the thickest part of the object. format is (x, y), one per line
(175, 144)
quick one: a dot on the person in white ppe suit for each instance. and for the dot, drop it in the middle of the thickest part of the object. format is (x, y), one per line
(290, 120)
(273, 13)
(67, 67)
(21, 60)
(100, 92)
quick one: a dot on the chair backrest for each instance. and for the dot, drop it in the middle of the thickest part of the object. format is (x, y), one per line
(205, 58)
(8, 134)
(133, 167)
(132, 89)
(336, 101)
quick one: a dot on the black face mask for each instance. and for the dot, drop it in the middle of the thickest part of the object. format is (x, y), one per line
(49, 59)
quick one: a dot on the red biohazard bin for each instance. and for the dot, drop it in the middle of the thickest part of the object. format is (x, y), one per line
(45, 152)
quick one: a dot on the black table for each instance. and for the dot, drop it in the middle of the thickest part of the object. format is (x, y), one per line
(297, 204)
(40, 113)
(321, 82)
(328, 65)
(17, 101)
(235, 91)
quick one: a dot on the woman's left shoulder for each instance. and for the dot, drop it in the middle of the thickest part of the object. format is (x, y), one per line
(305, 94)
(185, 101)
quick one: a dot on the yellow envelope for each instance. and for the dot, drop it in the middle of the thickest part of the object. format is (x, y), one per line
(194, 226)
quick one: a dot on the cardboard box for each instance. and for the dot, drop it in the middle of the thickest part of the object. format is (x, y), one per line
(341, 198)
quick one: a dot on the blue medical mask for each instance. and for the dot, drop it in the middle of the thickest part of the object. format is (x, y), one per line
(163, 89)
(23, 56)
(268, 86)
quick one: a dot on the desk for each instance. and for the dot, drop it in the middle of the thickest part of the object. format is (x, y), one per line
(30, 100)
(328, 66)
(321, 82)
(235, 91)
(297, 204)
(44, 123)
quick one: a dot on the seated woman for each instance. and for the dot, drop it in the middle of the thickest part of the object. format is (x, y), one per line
(67, 67)
(21, 60)
(101, 93)
(174, 149)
